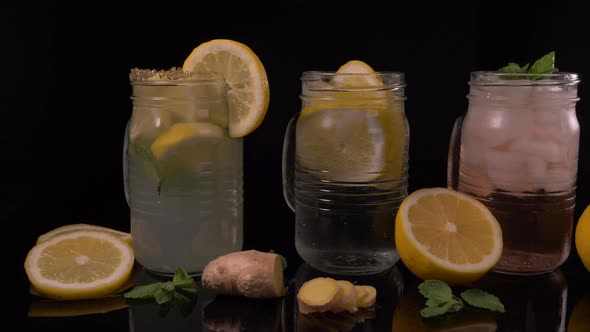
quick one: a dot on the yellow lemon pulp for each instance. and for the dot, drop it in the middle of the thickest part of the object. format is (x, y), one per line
(447, 235)
(582, 237)
(249, 94)
(79, 265)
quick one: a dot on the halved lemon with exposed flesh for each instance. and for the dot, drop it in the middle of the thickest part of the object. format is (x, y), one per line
(249, 94)
(79, 264)
(447, 235)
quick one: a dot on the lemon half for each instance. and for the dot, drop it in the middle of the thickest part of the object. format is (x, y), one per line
(447, 235)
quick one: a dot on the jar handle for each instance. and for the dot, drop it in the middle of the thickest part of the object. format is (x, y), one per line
(288, 163)
(126, 162)
(454, 154)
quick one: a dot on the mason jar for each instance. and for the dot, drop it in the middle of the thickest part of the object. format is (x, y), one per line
(516, 150)
(345, 170)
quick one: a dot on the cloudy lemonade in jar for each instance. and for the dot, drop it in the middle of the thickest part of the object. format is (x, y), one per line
(519, 156)
(184, 178)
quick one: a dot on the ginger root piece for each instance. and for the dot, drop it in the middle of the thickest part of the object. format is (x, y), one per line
(249, 273)
(366, 296)
(317, 295)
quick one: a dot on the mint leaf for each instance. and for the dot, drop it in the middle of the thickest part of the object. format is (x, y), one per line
(182, 280)
(283, 260)
(163, 295)
(437, 292)
(545, 65)
(481, 299)
(452, 306)
(513, 68)
(180, 291)
(143, 292)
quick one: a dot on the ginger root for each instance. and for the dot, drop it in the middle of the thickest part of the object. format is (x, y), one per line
(250, 273)
(327, 294)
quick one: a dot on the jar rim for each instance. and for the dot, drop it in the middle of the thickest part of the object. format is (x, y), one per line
(172, 77)
(496, 78)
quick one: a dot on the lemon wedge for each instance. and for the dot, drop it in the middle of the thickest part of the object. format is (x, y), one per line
(249, 94)
(75, 227)
(79, 264)
(447, 235)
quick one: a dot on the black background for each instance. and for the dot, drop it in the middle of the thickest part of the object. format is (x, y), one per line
(66, 92)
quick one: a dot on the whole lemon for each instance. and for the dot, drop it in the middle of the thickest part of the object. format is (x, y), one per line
(582, 238)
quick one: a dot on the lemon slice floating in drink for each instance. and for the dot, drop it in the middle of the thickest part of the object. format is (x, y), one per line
(248, 95)
(358, 135)
(447, 235)
(79, 264)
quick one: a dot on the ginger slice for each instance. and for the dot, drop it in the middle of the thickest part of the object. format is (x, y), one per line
(366, 296)
(317, 295)
(347, 300)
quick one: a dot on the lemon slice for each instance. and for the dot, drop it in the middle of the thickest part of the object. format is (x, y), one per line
(582, 237)
(79, 265)
(74, 227)
(248, 95)
(345, 145)
(355, 136)
(447, 235)
(354, 74)
(180, 139)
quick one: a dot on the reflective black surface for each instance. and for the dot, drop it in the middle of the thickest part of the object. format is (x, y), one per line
(557, 301)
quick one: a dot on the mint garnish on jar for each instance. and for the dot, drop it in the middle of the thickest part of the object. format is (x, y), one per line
(544, 65)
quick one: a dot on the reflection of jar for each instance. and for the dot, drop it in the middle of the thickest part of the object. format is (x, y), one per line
(533, 303)
(517, 152)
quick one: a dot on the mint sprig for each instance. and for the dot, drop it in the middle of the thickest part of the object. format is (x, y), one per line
(180, 291)
(544, 65)
(440, 299)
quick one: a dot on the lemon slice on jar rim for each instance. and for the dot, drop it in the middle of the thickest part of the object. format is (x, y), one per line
(248, 95)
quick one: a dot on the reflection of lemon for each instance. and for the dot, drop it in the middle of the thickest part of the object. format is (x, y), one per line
(353, 135)
(582, 237)
(57, 308)
(407, 318)
(579, 320)
(244, 73)
(74, 227)
(447, 235)
(79, 265)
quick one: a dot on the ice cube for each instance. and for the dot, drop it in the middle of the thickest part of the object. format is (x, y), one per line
(147, 123)
(551, 177)
(498, 125)
(507, 170)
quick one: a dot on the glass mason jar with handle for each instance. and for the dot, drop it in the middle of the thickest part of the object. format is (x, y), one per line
(183, 172)
(516, 150)
(345, 169)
